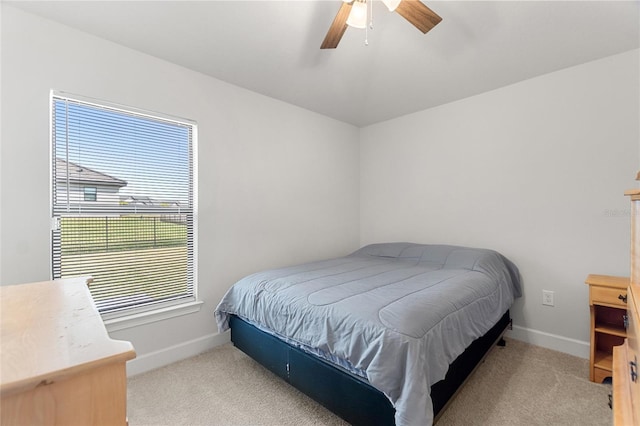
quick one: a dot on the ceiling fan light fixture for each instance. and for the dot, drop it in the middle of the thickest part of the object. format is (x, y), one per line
(354, 13)
(358, 15)
(391, 4)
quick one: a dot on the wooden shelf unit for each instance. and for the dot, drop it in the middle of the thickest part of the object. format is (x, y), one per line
(59, 366)
(614, 331)
(608, 306)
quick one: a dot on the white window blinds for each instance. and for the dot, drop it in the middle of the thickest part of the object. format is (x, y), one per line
(123, 204)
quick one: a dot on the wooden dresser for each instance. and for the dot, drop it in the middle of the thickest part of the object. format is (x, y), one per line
(57, 362)
(608, 306)
(626, 385)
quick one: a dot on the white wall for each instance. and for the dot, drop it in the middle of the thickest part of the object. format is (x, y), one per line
(277, 184)
(535, 170)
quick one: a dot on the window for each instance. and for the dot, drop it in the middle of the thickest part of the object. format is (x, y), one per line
(137, 239)
(90, 193)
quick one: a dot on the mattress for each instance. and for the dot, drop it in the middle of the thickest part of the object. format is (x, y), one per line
(397, 314)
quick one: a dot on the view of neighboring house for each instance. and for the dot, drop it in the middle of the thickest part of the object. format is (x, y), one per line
(85, 184)
(147, 201)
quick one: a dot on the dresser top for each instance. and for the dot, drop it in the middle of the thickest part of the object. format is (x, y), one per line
(608, 281)
(633, 193)
(50, 330)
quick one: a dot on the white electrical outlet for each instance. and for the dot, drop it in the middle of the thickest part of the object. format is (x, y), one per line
(547, 297)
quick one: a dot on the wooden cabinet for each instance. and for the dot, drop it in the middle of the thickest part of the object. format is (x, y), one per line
(608, 305)
(58, 364)
(626, 396)
(626, 384)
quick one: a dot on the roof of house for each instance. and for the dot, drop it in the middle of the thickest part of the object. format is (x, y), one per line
(82, 174)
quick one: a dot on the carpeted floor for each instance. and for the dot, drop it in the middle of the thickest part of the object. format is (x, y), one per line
(519, 384)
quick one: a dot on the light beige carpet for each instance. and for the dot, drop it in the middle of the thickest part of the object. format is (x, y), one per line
(519, 384)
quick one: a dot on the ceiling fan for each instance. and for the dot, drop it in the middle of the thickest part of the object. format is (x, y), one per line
(354, 13)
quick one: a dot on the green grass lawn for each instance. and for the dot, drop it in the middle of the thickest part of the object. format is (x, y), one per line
(129, 257)
(156, 273)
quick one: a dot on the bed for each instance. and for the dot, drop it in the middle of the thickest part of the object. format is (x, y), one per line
(373, 335)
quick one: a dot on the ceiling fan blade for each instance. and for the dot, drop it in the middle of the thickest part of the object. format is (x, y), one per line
(337, 28)
(418, 14)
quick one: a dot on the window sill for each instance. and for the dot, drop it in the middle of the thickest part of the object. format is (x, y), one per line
(135, 320)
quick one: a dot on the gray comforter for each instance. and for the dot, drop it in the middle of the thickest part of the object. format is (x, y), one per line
(397, 313)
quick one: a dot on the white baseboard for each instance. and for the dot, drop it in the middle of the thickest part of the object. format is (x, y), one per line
(157, 359)
(550, 341)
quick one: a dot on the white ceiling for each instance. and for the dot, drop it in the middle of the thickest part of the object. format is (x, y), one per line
(272, 47)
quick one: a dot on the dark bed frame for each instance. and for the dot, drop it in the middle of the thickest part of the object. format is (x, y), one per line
(349, 397)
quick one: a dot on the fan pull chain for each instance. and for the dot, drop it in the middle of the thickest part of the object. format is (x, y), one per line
(370, 26)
